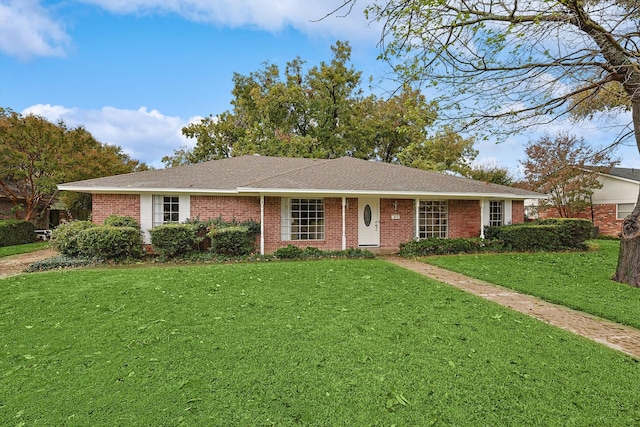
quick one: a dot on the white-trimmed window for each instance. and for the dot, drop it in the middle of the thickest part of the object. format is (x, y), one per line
(496, 213)
(302, 219)
(166, 209)
(623, 210)
(433, 219)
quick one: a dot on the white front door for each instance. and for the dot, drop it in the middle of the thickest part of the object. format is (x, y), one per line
(368, 222)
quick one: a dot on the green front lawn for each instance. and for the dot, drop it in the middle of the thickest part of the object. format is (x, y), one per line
(580, 280)
(22, 249)
(346, 342)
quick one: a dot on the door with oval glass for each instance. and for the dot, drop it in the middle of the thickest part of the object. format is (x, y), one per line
(368, 222)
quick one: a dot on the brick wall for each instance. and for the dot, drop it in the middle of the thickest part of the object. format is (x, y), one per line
(396, 231)
(104, 205)
(229, 207)
(464, 218)
(604, 217)
(517, 212)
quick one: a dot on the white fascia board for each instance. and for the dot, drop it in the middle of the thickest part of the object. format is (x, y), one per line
(133, 190)
(399, 194)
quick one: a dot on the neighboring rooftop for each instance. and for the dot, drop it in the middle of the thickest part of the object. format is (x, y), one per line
(626, 173)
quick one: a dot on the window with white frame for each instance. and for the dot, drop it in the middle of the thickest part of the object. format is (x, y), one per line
(302, 219)
(166, 209)
(624, 210)
(496, 213)
(433, 218)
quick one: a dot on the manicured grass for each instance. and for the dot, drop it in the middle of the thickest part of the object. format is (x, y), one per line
(580, 280)
(22, 249)
(345, 342)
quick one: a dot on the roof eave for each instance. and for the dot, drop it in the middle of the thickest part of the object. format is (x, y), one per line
(405, 194)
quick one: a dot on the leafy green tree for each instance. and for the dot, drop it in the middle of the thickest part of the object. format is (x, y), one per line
(322, 113)
(507, 64)
(36, 155)
(491, 174)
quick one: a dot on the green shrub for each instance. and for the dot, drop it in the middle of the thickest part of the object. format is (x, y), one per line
(16, 232)
(232, 240)
(310, 252)
(289, 252)
(121, 221)
(172, 240)
(438, 246)
(548, 234)
(64, 238)
(110, 243)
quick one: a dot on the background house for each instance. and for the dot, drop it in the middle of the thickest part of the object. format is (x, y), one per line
(612, 203)
(329, 204)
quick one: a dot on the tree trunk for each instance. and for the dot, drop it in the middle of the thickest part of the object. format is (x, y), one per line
(628, 270)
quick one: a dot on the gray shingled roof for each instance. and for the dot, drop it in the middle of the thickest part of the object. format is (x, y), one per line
(260, 174)
(632, 174)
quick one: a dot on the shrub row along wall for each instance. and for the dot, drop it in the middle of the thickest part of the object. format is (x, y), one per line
(543, 235)
(16, 232)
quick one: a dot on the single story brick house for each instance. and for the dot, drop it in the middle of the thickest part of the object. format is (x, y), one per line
(611, 203)
(330, 204)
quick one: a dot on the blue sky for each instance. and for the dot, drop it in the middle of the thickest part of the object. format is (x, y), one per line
(134, 72)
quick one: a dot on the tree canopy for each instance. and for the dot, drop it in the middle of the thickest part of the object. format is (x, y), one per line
(566, 169)
(322, 113)
(36, 155)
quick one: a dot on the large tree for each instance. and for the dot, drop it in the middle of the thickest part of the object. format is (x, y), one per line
(322, 113)
(36, 155)
(566, 169)
(505, 64)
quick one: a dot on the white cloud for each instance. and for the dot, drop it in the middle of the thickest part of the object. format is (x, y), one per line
(273, 16)
(144, 135)
(28, 30)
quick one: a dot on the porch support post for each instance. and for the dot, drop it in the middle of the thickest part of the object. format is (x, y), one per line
(344, 223)
(417, 219)
(482, 201)
(262, 224)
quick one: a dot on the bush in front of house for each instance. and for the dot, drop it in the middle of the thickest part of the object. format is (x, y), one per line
(232, 240)
(16, 232)
(107, 242)
(171, 240)
(121, 221)
(64, 238)
(294, 252)
(543, 235)
(438, 246)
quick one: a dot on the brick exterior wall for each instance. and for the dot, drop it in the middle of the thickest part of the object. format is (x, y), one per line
(104, 205)
(517, 212)
(604, 217)
(229, 207)
(395, 231)
(464, 218)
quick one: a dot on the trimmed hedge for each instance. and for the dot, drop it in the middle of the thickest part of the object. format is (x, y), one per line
(232, 240)
(16, 232)
(544, 235)
(310, 252)
(107, 242)
(438, 246)
(170, 240)
(64, 238)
